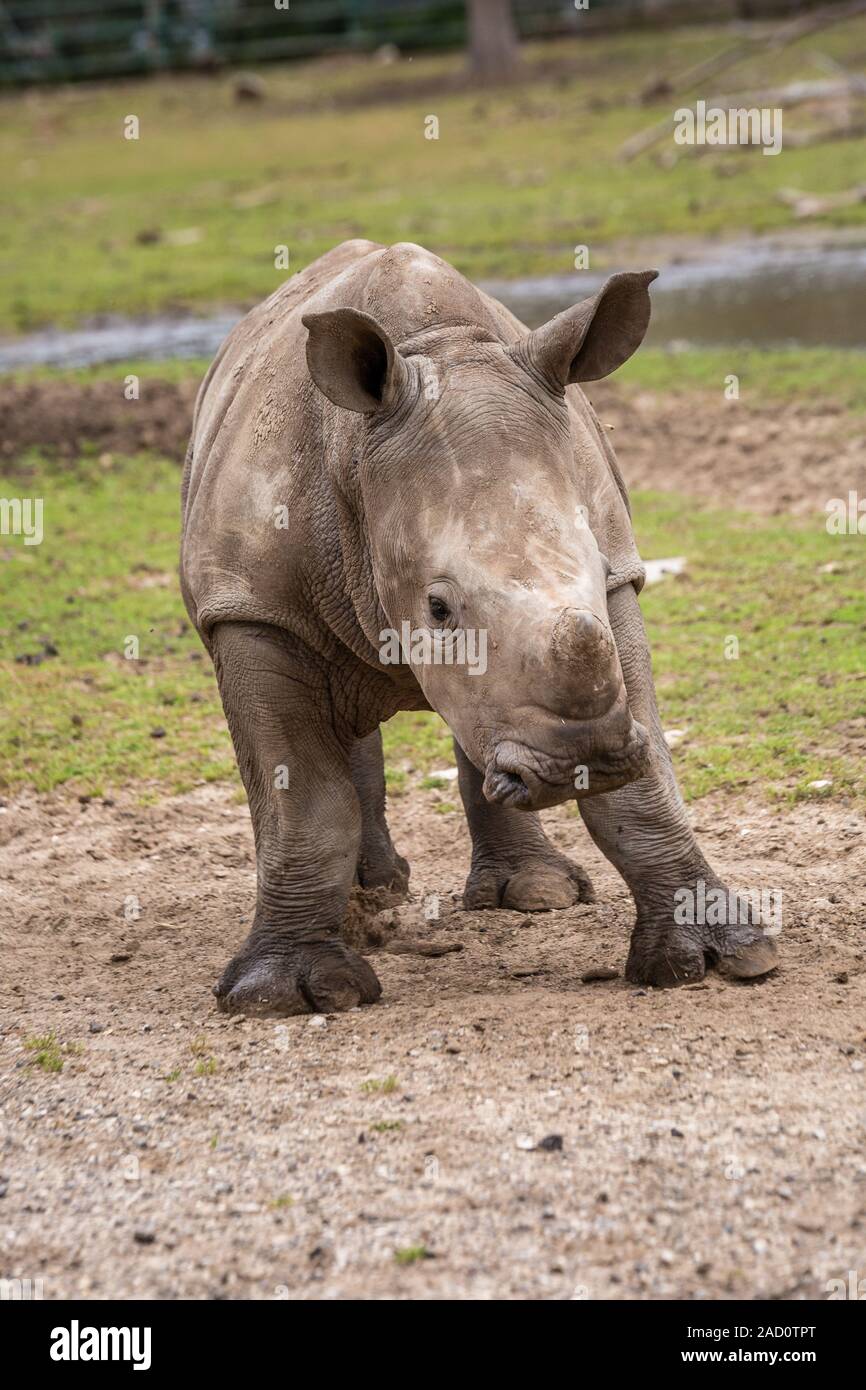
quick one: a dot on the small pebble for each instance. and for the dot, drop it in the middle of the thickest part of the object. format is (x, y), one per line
(551, 1143)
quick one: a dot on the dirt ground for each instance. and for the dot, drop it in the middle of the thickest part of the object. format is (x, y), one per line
(496, 1127)
(712, 1138)
(775, 457)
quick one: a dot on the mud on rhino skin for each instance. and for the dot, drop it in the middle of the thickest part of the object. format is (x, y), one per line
(379, 450)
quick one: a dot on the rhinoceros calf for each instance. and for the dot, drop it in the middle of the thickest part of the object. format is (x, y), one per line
(384, 459)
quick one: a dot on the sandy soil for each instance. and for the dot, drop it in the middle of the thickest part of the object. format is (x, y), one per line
(711, 1137)
(778, 457)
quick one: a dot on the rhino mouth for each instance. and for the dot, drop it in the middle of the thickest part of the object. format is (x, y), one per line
(507, 789)
(528, 779)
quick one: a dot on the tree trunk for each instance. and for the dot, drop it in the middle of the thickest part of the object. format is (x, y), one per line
(493, 49)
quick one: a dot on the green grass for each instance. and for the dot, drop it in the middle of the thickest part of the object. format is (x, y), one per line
(802, 374)
(176, 370)
(778, 715)
(190, 213)
(46, 1051)
(375, 1087)
(776, 718)
(412, 1254)
(105, 571)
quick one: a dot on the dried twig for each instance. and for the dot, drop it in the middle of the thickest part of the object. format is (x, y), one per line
(787, 33)
(816, 205)
(795, 94)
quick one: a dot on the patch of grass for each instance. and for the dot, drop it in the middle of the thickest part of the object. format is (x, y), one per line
(415, 741)
(47, 1052)
(374, 1087)
(176, 370)
(280, 1203)
(758, 648)
(173, 1075)
(207, 1066)
(190, 214)
(387, 1127)
(802, 374)
(412, 1254)
(106, 572)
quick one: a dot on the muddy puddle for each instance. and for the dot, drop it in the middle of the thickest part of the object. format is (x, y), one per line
(747, 293)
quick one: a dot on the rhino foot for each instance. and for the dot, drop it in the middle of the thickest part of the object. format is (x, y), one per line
(264, 981)
(535, 885)
(680, 956)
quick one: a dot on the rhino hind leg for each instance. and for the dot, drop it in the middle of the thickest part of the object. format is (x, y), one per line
(307, 824)
(379, 865)
(514, 865)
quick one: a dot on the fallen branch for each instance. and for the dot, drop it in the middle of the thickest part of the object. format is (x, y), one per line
(802, 139)
(816, 205)
(795, 94)
(794, 140)
(787, 33)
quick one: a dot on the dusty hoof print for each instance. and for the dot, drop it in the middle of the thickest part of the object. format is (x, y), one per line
(540, 890)
(321, 978)
(369, 923)
(750, 961)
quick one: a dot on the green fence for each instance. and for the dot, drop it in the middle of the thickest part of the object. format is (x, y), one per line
(62, 40)
(65, 40)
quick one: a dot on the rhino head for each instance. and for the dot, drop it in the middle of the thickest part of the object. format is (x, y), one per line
(474, 498)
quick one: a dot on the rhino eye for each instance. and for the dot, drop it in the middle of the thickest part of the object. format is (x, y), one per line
(439, 610)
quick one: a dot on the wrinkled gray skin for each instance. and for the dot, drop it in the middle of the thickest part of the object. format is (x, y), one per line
(380, 442)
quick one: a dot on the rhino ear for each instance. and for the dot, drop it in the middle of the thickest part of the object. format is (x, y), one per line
(593, 338)
(352, 360)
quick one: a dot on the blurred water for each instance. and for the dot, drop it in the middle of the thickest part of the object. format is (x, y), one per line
(750, 294)
(746, 294)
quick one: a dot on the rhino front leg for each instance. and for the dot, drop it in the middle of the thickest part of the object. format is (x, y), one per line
(644, 831)
(514, 865)
(307, 827)
(379, 864)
